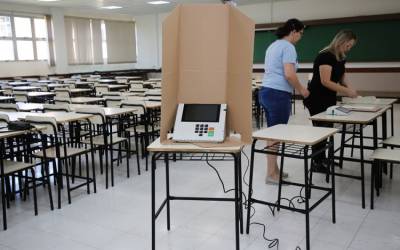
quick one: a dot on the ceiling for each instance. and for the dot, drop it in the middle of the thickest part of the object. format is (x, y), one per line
(132, 7)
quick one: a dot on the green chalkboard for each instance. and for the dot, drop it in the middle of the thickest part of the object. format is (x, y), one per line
(378, 41)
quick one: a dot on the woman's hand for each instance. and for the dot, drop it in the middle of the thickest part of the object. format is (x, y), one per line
(351, 92)
(304, 92)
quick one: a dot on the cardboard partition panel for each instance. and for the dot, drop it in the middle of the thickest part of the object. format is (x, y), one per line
(207, 58)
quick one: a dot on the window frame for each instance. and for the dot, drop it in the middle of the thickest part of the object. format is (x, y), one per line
(33, 39)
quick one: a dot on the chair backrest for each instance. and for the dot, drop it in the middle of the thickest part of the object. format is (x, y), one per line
(131, 102)
(4, 120)
(7, 91)
(99, 116)
(8, 107)
(21, 96)
(49, 123)
(62, 92)
(153, 92)
(122, 80)
(105, 94)
(113, 101)
(100, 89)
(64, 107)
(62, 100)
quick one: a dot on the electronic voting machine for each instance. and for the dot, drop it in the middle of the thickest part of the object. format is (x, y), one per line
(200, 123)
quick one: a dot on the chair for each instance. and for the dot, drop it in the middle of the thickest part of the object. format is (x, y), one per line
(62, 100)
(392, 142)
(57, 149)
(8, 107)
(17, 165)
(113, 99)
(8, 91)
(100, 89)
(56, 108)
(106, 140)
(144, 127)
(380, 156)
(62, 93)
(21, 96)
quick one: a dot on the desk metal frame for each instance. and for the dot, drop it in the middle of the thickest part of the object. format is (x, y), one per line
(296, 151)
(166, 202)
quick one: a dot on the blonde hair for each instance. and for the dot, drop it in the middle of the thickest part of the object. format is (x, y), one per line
(340, 38)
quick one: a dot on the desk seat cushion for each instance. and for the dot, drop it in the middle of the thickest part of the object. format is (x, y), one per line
(99, 140)
(385, 154)
(15, 166)
(392, 141)
(71, 151)
(140, 129)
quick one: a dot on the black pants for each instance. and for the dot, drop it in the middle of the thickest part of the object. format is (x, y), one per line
(322, 156)
(316, 106)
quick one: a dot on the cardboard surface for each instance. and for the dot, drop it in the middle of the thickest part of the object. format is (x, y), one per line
(207, 58)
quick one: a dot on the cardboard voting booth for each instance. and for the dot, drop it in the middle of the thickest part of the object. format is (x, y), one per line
(208, 58)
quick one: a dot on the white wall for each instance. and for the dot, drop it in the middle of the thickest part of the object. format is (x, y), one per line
(10, 69)
(280, 11)
(149, 29)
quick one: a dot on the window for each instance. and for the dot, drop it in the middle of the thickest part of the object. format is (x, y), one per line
(25, 50)
(6, 50)
(23, 27)
(5, 26)
(6, 43)
(94, 41)
(23, 38)
(40, 28)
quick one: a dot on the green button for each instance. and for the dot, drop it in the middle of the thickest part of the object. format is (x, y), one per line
(210, 134)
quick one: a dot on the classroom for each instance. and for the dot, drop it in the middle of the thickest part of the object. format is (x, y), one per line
(199, 124)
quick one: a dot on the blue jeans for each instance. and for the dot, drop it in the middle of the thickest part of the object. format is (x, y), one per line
(276, 104)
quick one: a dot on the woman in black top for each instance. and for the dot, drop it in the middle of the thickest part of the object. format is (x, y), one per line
(329, 79)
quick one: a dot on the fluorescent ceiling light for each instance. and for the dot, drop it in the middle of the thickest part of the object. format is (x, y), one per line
(158, 2)
(112, 7)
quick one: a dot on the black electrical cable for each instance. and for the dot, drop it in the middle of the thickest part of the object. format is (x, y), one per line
(272, 242)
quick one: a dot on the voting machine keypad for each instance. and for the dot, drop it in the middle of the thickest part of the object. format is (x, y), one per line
(203, 129)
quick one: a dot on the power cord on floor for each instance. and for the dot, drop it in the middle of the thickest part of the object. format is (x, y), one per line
(272, 242)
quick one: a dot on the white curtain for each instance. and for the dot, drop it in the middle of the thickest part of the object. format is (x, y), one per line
(121, 41)
(96, 38)
(83, 39)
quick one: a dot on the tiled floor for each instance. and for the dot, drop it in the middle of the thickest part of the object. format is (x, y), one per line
(119, 218)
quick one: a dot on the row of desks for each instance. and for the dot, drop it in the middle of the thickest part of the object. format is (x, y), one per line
(286, 134)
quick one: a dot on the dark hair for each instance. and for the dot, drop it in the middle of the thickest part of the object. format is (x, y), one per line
(289, 26)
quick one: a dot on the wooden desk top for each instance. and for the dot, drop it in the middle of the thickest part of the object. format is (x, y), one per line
(138, 90)
(10, 134)
(305, 135)
(386, 154)
(152, 105)
(156, 146)
(6, 98)
(127, 77)
(118, 86)
(29, 106)
(108, 81)
(40, 94)
(26, 88)
(83, 100)
(76, 106)
(377, 101)
(352, 117)
(56, 85)
(79, 90)
(118, 111)
(46, 81)
(60, 117)
(18, 84)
